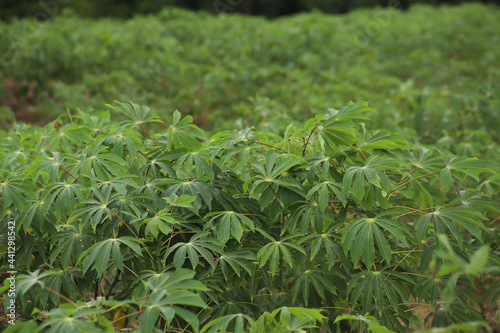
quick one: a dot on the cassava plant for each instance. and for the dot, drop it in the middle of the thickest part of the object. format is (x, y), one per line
(322, 227)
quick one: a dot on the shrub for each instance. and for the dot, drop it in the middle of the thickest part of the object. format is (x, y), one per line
(120, 228)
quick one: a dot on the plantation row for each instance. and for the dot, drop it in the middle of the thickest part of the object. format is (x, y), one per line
(431, 74)
(329, 227)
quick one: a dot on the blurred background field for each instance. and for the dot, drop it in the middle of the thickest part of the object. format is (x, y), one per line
(431, 73)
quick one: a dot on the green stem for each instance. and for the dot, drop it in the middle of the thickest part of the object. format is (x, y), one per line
(307, 142)
(411, 180)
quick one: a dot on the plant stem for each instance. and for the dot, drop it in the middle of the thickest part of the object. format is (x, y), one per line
(60, 295)
(405, 183)
(156, 143)
(265, 144)
(48, 143)
(307, 142)
(123, 317)
(123, 222)
(110, 291)
(269, 184)
(60, 167)
(359, 149)
(336, 167)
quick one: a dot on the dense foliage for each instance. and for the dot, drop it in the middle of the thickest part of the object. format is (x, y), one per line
(328, 225)
(431, 74)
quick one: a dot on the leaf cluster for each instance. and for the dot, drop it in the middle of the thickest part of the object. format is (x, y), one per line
(254, 231)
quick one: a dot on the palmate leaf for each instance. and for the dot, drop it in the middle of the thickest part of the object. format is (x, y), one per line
(237, 260)
(316, 162)
(469, 166)
(465, 165)
(429, 290)
(453, 219)
(59, 320)
(158, 167)
(102, 165)
(13, 190)
(454, 313)
(94, 121)
(37, 140)
(99, 255)
(64, 196)
(169, 290)
(163, 222)
(69, 136)
(371, 172)
(327, 191)
(319, 279)
(24, 282)
(184, 201)
(276, 166)
(421, 195)
(53, 282)
(48, 166)
(337, 127)
(122, 142)
(97, 210)
(361, 236)
(180, 279)
(477, 201)
(377, 287)
(233, 158)
(137, 114)
(272, 175)
(308, 215)
(231, 301)
(36, 212)
(121, 184)
(277, 250)
(291, 319)
(151, 313)
(228, 139)
(326, 243)
(183, 133)
(199, 244)
(230, 223)
(17, 158)
(351, 112)
(221, 324)
(152, 188)
(203, 192)
(425, 159)
(489, 184)
(71, 244)
(195, 164)
(291, 141)
(381, 140)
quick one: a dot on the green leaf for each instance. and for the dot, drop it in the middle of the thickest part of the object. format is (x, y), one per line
(198, 244)
(446, 179)
(99, 255)
(229, 224)
(182, 133)
(361, 235)
(478, 261)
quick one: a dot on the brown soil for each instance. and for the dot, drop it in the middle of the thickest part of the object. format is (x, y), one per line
(20, 103)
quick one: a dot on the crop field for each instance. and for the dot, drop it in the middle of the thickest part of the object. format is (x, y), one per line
(191, 172)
